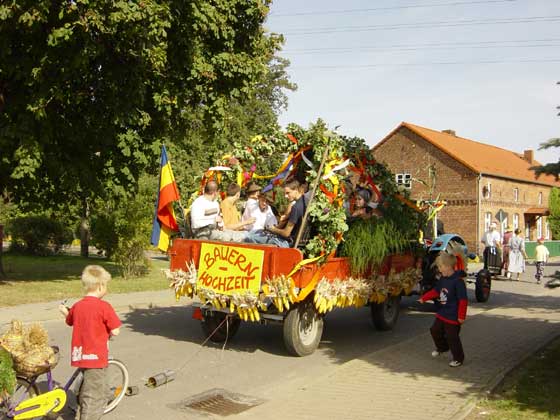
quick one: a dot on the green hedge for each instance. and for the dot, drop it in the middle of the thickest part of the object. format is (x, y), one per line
(38, 235)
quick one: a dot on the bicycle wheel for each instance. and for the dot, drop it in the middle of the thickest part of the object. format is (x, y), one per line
(117, 381)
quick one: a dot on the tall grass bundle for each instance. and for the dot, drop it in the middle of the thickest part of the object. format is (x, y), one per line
(368, 242)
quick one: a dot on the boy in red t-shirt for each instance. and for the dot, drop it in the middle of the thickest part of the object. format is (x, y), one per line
(94, 321)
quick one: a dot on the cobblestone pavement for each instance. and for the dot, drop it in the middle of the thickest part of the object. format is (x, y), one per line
(404, 382)
(401, 381)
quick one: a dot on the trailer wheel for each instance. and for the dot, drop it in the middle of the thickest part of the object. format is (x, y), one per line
(303, 328)
(212, 320)
(384, 315)
(483, 285)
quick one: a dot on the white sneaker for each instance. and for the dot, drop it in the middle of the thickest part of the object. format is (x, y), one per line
(436, 353)
(455, 363)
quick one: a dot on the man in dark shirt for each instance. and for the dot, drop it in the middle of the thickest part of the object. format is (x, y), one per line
(286, 236)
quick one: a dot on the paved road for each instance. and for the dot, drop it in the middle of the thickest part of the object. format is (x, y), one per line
(356, 373)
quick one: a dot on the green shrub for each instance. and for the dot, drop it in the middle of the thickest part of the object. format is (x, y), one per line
(121, 227)
(131, 259)
(38, 235)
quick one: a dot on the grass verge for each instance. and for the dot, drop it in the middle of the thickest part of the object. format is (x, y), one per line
(528, 393)
(43, 279)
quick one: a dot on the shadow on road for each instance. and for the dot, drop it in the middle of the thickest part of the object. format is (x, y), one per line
(491, 339)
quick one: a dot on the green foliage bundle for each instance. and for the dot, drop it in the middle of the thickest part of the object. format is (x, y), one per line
(7, 373)
(267, 153)
(554, 218)
(38, 235)
(400, 222)
(367, 242)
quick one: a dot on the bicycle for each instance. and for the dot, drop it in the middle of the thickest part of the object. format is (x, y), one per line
(27, 402)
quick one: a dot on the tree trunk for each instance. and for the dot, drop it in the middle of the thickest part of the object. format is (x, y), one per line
(2, 274)
(84, 229)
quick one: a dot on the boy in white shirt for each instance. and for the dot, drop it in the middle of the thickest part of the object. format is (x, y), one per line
(264, 216)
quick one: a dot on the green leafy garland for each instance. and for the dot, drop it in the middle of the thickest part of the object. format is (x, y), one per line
(264, 155)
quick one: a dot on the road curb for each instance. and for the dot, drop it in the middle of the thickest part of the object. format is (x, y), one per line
(45, 312)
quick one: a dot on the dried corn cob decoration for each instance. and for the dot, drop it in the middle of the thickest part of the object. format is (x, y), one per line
(183, 282)
(341, 293)
(280, 290)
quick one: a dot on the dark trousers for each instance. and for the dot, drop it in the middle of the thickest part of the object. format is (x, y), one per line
(492, 259)
(540, 270)
(446, 337)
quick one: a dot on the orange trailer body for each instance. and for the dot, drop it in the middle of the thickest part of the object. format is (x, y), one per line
(278, 261)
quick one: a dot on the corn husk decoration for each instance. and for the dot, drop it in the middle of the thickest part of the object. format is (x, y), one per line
(183, 282)
(29, 349)
(358, 291)
(342, 293)
(35, 336)
(280, 290)
(12, 340)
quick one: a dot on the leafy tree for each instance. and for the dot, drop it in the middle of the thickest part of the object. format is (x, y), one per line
(256, 114)
(549, 168)
(554, 217)
(89, 90)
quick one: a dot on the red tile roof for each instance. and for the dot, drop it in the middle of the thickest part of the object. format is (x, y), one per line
(479, 157)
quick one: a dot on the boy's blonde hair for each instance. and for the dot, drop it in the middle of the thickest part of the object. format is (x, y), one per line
(444, 259)
(93, 276)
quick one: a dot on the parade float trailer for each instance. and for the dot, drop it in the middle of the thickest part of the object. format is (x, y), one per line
(298, 286)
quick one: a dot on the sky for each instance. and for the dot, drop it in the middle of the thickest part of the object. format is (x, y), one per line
(487, 69)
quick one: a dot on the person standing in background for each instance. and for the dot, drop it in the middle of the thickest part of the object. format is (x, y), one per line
(541, 257)
(517, 254)
(492, 241)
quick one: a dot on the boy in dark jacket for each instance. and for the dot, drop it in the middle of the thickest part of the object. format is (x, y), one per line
(452, 309)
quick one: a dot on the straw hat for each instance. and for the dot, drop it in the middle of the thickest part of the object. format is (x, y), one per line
(253, 187)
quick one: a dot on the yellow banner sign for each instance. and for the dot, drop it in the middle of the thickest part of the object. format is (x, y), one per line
(229, 269)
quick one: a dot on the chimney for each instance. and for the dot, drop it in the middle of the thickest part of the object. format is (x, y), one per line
(529, 155)
(452, 132)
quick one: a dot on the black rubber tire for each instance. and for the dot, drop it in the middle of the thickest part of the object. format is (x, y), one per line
(303, 328)
(483, 285)
(211, 320)
(385, 315)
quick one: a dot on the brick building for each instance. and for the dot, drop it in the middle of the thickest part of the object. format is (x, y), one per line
(477, 180)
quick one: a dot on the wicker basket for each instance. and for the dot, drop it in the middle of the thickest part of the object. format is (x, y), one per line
(36, 361)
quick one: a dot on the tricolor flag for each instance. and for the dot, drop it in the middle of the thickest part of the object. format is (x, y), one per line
(164, 216)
